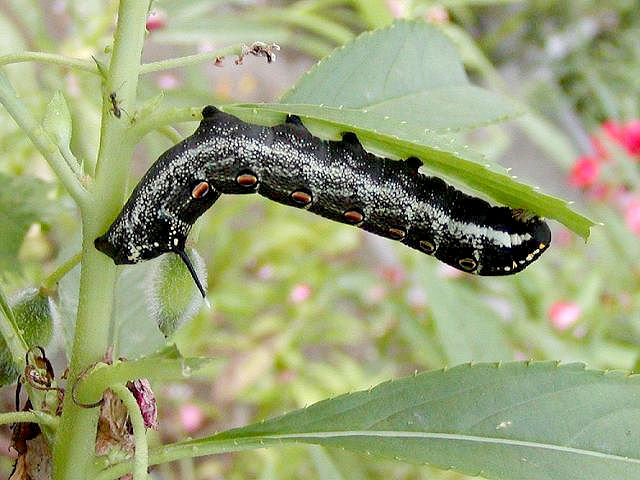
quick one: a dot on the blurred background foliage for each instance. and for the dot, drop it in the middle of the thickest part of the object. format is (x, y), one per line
(303, 308)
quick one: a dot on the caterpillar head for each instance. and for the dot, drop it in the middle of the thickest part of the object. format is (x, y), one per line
(159, 214)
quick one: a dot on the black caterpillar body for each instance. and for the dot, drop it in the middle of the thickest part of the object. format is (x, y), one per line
(338, 180)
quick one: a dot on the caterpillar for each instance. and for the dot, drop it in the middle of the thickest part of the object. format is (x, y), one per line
(336, 179)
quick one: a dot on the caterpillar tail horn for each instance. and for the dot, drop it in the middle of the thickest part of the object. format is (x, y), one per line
(187, 261)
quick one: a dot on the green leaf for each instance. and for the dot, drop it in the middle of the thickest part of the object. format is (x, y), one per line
(57, 121)
(23, 201)
(465, 326)
(400, 89)
(517, 421)
(33, 314)
(409, 72)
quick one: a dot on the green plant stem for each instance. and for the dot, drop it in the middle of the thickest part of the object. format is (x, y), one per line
(42, 141)
(52, 58)
(74, 449)
(11, 333)
(190, 59)
(178, 451)
(152, 368)
(28, 417)
(52, 280)
(163, 118)
(141, 459)
(171, 133)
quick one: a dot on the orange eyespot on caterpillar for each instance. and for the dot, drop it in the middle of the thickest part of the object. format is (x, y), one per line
(467, 264)
(353, 216)
(200, 190)
(301, 197)
(247, 180)
(286, 163)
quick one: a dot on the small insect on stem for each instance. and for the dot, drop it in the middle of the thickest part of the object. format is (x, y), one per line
(117, 112)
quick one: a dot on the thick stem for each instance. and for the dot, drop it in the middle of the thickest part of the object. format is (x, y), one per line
(75, 442)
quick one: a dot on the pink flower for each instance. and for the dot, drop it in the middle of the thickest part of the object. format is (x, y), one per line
(168, 81)
(191, 417)
(398, 8)
(632, 216)
(563, 237)
(585, 172)
(393, 274)
(631, 137)
(300, 293)
(564, 314)
(437, 15)
(156, 20)
(613, 130)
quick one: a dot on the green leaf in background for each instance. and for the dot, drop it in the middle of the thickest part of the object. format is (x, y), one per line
(23, 201)
(35, 315)
(516, 421)
(465, 326)
(400, 89)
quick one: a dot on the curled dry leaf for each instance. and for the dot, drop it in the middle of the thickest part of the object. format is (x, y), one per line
(259, 49)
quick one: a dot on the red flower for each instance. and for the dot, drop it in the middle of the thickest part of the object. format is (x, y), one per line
(585, 172)
(564, 314)
(631, 137)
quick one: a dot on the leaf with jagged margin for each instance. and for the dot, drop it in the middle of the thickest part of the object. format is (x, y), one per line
(400, 89)
(515, 421)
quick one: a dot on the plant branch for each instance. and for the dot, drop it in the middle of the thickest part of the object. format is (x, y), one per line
(171, 133)
(42, 141)
(40, 418)
(141, 460)
(190, 60)
(163, 118)
(178, 451)
(52, 58)
(153, 368)
(52, 280)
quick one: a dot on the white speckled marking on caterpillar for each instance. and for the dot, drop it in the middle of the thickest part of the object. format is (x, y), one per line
(235, 157)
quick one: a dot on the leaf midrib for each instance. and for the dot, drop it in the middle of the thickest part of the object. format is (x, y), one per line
(445, 436)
